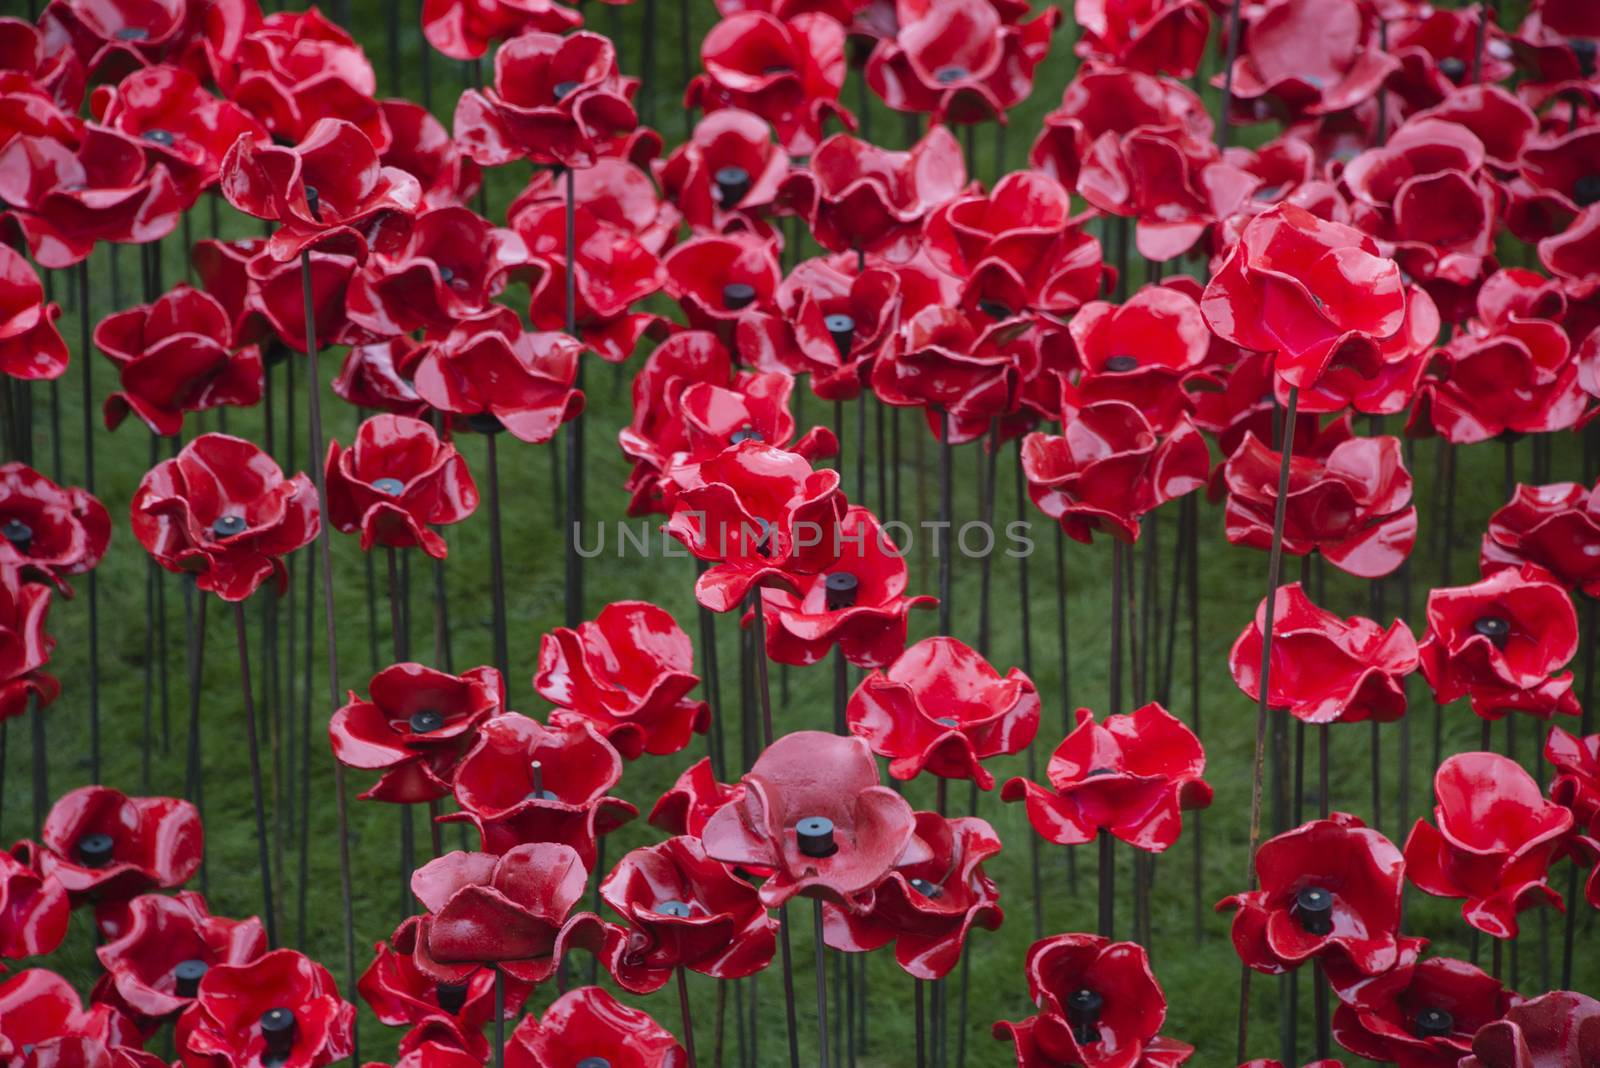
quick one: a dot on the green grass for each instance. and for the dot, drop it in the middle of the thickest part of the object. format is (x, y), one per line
(1199, 976)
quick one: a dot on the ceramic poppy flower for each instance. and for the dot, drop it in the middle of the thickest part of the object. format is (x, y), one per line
(685, 808)
(501, 378)
(34, 909)
(282, 1007)
(1130, 775)
(1106, 104)
(395, 481)
(686, 910)
(858, 197)
(423, 148)
(175, 356)
(1405, 358)
(167, 944)
(464, 29)
(927, 909)
(62, 199)
(1493, 843)
(400, 995)
(414, 728)
(223, 510)
(1153, 36)
(1301, 58)
(377, 376)
(49, 531)
(1571, 255)
(1313, 292)
(725, 177)
(786, 70)
(518, 764)
(39, 1008)
(1110, 468)
(1099, 1006)
(554, 100)
(963, 371)
(858, 604)
(1329, 888)
(588, 1024)
(265, 297)
(31, 347)
(1515, 377)
(1326, 669)
(758, 514)
(813, 813)
(329, 190)
(1553, 185)
(617, 190)
(1577, 782)
(112, 39)
(753, 406)
(511, 911)
(942, 708)
(1353, 505)
(104, 844)
(1245, 407)
(1499, 641)
(578, 827)
(1145, 351)
(24, 646)
(959, 61)
(628, 673)
(1555, 527)
(1423, 1013)
(723, 280)
(1543, 1032)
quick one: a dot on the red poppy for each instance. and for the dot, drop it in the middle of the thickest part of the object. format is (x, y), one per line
(858, 604)
(1494, 841)
(1554, 184)
(1438, 51)
(53, 74)
(686, 910)
(1246, 407)
(328, 190)
(24, 646)
(1298, 57)
(423, 148)
(1110, 468)
(693, 799)
(400, 994)
(617, 190)
(1517, 376)
(112, 39)
(1145, 351)
(265, 297)
(578, 827)
(30, 345)
(499, 377)
(1548, 1031)
(175, 356)
(378, 376)
(396, 481)
(962, 370)
(814, 814)
(282, 1008)
(1421, 1014)
(628, 673)
(1313, 292)
(38, 1008)
(554, 100)
(517, 765)
(754, 405)
(1572, 254)
(723, 280)
(464, 29)
(589, 1025)
(1326, 669)
(926, 909)
(438, 1042)
(858, 197)
(34, 909)
(1107, 103)
(1099, 1006)
(223, 510)
(959, 61)
(1153, 36)
(942, 708)
(102, 844)
(1404, 358)
(49, 531)
(1352, 505)
(725, 177)
(788, 71)
(414, 728)
(759, 515)
(1577, 782)
(167, 944)
(1556, 527)
(1498, 641)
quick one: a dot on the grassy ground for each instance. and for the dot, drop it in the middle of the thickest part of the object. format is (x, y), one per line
(142, 691)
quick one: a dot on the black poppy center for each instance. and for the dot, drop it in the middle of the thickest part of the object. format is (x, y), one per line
(539, 793)
(814, 835)
(1092, 772)
(18, 533)
(772, 69)
(925, 888)
(227, 526)
(1584, 49)
(673, 908)
(1083, 1013)
(1122, 363)
(186, 977)
(946, 75)
(1496, 628)
(277, 1030)
(452, 996)
(843, 330)
(94, 850)
(994, 309)
(746, 433)
(1435, 1023)
(389, 487)
(594, 1062)
(1313, 908)
(314, 202)
(484, 423)
(840, 588)
(733, 183)
(133, 33)
(947, 721)
(1586, 190)
(562, 90)
(159, 137)
(764, 541)
(736, 295)
(426, 721)
(1453, 68)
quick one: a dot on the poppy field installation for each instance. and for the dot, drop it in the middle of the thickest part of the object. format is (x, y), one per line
(1166, 422)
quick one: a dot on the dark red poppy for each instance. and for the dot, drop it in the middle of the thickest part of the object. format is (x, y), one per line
(1549, 1031)
(401, 995)
(554, 100)
(723, 280)
(1517, 376)
(223, 510)
(787, 70)
(941, 707)
(685, 808)
(34, 909)
(1438, 51)
(628, 673)
(395, 482)
(1145, 351)
(959, 61)
(1499, 641)
(328, 190)
(1495, 837)
(588, 1024)
(1314, 293)
(1554, 184)
(423, 148)
(1422, 1013)
(518, 764)
(378, 376)
(858, 197)
(414, 728)
(265, 297)
(24, 646)
(464, 29)
(1571, 255)
(1110, 468)
(1099, 1006)
(1556, 527)
(814, 814)
(39, 1008)
(165, 946)
(500, 377)
(176, 356)
(30, 345)
(1107, 103)
(1299, 57)
(963, 371)
(686, 910)
(52, 73)
(48, 531)
(725, 177)
(1352, 505)
(1153, 36)
(758, 514)
(281, 1008)
(926, 909)
(1326, 669)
